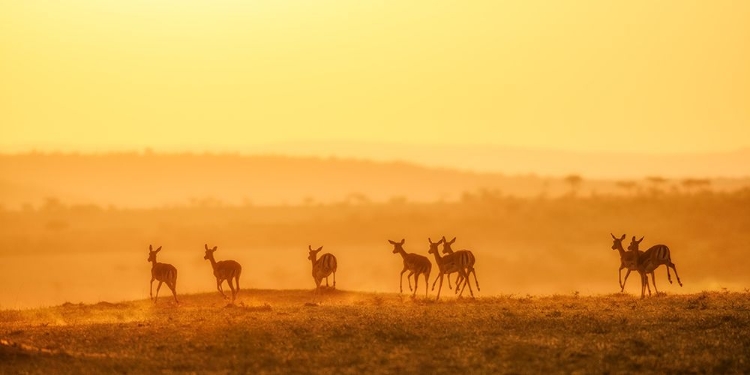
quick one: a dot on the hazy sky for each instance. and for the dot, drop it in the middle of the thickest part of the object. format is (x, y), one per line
(657, 76)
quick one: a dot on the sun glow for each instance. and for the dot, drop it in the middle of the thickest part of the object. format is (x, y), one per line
(227, 75)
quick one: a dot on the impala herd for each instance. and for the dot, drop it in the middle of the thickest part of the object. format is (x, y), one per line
(460, 262)
(645, 262)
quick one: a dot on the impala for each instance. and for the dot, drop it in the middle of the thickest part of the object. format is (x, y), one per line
(627, 260)
(416, 265)
(470, 261)
(448, 264)
(224, 270)
(650, 260)
(322, 267)
(165, 273)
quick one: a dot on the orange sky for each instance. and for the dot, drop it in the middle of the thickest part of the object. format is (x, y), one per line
(645, 76)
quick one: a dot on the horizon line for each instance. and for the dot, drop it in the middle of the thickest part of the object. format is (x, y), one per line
(267, 148)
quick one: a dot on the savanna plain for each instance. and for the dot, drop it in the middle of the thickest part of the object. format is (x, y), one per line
(75, 275)
(270, 331)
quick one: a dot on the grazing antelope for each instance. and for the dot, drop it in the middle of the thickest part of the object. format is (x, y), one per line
(165, 273)
(627, 260)
(471, 260)
(448, 264)
(224, 270)
(416, 265)
(322, 267)
(650, 260)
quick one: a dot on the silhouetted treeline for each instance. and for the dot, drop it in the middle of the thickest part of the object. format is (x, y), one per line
(141, 180)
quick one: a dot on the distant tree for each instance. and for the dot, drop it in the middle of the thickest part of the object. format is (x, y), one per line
(704, 184)
(656, 180)
(52, 204)
(627, 185)
(490, 195)
(656, 184)
(692, 184)
(358, 198)
(574, 181)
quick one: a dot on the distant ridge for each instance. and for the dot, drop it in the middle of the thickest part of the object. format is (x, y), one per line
(155, 180)
(515, 161)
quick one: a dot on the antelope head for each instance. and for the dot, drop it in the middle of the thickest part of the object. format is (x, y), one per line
(397, 246)
(634, 244)
(447, 245)
(313, 253)
(434, 245)
(152, 253)
(617, 242)
(209, 252)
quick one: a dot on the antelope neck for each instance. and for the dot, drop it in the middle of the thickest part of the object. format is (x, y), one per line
(213, 261)
(438, 258)
(402, 252)
(621, 251)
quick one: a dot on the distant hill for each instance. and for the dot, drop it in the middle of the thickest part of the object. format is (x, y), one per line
(513, 161)
(149, 179)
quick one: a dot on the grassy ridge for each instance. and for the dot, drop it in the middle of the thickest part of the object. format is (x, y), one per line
(271, 331)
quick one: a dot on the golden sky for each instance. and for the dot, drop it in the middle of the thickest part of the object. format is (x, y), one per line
(646, 76)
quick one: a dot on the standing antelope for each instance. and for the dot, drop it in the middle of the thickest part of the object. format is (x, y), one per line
(224, 270)
(471, 260)
(322, 267)
(448, 264)
(416, 265)
(165, 273)
(627, 260)
(650, 260)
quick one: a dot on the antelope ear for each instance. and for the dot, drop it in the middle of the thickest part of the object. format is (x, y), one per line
(613, 236)
(150, 248)
(392, 243)
(633, 239)
(403, 240)
(430, 239)
(206, 246)
(215, 247)
(158, 250)
(320, 248)
(443, 239)
(639, 241)
(309, 247)
(623, 237)
(452, 241)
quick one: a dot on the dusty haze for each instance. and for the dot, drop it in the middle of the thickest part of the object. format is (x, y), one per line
(83, 224)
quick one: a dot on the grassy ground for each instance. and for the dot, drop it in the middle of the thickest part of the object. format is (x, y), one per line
(345, 332)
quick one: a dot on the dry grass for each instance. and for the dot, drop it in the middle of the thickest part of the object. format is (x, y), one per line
(345, 332)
